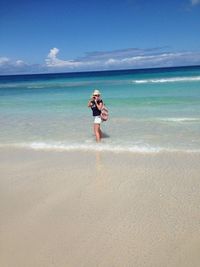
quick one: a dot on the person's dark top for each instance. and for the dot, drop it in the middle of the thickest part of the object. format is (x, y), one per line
(95, 110)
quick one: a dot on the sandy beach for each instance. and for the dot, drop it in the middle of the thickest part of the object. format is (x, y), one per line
(99, 209)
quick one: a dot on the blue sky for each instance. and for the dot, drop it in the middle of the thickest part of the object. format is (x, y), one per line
(73, 35)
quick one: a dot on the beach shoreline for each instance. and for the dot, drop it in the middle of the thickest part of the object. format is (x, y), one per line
(99, 208)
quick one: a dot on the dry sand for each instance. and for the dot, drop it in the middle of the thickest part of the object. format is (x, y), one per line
(75, 209)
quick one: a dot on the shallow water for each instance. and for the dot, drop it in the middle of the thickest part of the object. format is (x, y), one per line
(150, 110)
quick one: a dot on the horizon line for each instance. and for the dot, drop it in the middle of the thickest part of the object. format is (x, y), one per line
(100, 71)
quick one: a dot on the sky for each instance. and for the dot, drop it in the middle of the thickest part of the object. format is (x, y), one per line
(73, 35)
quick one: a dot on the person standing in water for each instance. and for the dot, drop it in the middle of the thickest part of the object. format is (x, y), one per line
(96, 104)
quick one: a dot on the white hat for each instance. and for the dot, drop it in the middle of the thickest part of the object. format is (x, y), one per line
(96, 92)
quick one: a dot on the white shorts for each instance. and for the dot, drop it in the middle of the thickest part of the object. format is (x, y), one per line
(97, 120)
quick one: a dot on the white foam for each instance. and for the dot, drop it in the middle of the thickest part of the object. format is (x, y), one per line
(180, 119)
(88, 146)
(168, 80)
(91, 147)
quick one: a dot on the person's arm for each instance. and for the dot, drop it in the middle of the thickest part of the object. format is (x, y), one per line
(100, 105)
(90, 103)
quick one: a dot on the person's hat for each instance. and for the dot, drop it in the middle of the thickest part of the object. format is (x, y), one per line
(96, 92)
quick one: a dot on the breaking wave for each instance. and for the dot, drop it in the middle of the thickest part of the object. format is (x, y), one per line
(180, 119)
(168, 80)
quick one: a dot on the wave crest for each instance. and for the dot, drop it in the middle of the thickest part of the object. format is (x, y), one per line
(168, 80)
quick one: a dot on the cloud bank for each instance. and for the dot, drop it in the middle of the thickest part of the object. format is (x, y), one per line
(122, 59)
(9, 66)
(130, 58)
(195, 2)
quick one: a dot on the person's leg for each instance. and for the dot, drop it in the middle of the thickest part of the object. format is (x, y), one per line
(97, 132)
(100, 132)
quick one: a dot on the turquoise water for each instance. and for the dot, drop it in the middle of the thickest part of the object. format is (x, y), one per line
(150, 110)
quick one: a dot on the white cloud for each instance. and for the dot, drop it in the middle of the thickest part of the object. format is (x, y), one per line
(121, 59)
(53, 61)
(53, 53)
(195, 2)
(4, 60)
(131, 58)
(154, 60)
(98, 59)
(9, 66)
(20, 62)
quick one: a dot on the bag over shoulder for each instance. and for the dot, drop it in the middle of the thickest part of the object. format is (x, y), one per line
(104, 113)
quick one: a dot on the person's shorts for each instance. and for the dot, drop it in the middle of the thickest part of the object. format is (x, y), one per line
(97, 120)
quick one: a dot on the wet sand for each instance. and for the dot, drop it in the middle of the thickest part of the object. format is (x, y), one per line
(91, 209)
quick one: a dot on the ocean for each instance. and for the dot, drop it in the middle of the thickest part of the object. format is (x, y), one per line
(150, 110)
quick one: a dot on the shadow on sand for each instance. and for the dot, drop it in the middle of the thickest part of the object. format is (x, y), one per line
(105, 135)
